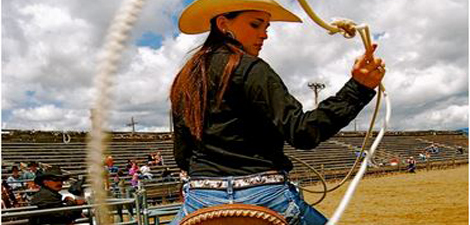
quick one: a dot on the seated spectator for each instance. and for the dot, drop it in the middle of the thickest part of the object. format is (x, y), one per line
(150, 160)
(146, 174)
(51, 182)
(428, 156)
(77, 187)
(184, 176)
(411, 164)
(158, 159)
(359, 152)
(15, 179)
(422, 156)
(460, 149)
(166, 174)
(433, 148)
(394, 161)
(129, 164)
(32, 172)
(109, 165)
(135, 179)
(8, 198)
(133, 169)
(119, 184)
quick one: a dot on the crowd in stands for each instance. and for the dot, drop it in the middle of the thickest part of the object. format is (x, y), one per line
(20, 187)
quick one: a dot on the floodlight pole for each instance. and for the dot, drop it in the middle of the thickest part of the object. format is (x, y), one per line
(132, 124)
(316, 87)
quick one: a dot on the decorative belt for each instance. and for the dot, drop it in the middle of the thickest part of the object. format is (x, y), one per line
(270, 177)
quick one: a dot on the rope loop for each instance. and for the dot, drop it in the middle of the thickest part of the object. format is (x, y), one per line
(345, 27)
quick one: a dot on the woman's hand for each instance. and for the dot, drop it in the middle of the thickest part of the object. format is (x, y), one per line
(369, 70)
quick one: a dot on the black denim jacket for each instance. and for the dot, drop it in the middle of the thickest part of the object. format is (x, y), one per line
(246, 134)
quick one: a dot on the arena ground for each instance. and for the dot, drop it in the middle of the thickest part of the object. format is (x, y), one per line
(435, 197)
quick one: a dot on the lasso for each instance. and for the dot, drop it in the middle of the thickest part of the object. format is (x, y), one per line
(348, 29)
(107, 66)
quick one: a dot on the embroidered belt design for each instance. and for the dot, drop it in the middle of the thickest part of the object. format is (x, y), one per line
(238, 182)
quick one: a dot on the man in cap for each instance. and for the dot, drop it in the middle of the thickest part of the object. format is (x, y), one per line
(48, 196)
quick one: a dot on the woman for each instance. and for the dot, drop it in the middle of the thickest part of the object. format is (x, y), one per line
(232, 112)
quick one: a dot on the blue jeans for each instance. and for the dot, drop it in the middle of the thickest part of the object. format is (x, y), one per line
(282, 198)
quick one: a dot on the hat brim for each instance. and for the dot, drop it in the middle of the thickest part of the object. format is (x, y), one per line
(39, 179)
(196, 17)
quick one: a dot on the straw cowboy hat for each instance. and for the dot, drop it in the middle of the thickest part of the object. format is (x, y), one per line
(196, 17)
(53, 172)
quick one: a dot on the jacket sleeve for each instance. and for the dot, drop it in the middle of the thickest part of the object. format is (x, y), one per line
(270, 99)
(46, 201)
(182, 149)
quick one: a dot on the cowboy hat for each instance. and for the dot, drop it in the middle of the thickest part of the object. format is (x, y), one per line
(196, 17)
(53, 172)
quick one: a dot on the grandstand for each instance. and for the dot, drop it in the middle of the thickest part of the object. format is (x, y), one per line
(333, 158)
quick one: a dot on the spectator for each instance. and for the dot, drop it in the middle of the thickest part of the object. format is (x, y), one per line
(394, 162)
(411, 164)
(135, 179)
(428, 156)
(119, 190)
(184, 176)
(51, 182)
(31, 174)
(15, 179)
(422, 155)
(109, 165)
(158, 159)
(433, 148)
(146, 174)
(8, 198)
(460, 149)
(77, 187)
(133, 169)
(357, 153)
(166, 174)
(119, 184)
(150, 160)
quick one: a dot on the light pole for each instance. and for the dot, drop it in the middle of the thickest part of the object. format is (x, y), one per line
(316, 87)
(132, 124)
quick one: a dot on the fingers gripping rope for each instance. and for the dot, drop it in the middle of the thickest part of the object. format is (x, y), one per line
(107, 66)
(348, 29)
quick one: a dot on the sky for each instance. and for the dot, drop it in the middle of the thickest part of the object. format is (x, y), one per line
(50, 50)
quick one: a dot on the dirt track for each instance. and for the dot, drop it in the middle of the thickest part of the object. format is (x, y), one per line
(434, 197)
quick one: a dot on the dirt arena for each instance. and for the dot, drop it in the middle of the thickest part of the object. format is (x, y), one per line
(435, 197)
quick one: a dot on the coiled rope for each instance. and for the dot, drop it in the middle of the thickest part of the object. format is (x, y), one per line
(66, 137)
(107, 66)
(348, 29)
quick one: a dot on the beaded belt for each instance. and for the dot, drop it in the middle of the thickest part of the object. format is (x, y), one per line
(270, 177)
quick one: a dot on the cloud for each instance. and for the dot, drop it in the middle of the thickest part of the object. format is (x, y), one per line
(49, 50)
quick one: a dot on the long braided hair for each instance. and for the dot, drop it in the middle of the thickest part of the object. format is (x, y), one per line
(189, 90)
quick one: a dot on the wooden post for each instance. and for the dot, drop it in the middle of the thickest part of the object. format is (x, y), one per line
(322, 170)
(399, 163)
(453, 159)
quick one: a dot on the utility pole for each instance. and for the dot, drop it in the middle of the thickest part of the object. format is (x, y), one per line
(132, 124)
(171, 120)
(355, 125)
(316, 87)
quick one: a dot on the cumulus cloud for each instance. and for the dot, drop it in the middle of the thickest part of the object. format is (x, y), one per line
(49, 50)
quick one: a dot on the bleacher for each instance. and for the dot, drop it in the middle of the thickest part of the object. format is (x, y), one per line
(331, 156)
